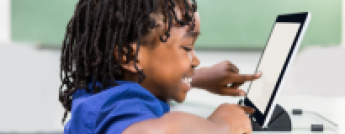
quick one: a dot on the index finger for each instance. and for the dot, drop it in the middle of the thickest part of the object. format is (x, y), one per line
(244, 77)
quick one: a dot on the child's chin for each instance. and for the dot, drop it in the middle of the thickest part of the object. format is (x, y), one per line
(181, 99)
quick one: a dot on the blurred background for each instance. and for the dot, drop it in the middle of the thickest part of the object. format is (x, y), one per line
(31, 33)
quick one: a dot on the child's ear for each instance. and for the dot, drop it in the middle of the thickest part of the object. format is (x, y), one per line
(130, 65)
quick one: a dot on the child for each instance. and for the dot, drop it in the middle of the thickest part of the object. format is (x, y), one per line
(122, 61)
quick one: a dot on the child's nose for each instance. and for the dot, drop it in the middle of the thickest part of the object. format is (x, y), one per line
(195, 60)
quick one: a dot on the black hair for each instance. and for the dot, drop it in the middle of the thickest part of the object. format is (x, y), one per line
(98, 27)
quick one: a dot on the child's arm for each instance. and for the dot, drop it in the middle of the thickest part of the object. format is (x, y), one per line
(226, 119)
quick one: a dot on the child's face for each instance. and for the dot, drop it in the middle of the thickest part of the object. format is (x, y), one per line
(166, 65)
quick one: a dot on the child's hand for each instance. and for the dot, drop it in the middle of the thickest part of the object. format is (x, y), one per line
(226, 119)
(234, 117)
(215, 79)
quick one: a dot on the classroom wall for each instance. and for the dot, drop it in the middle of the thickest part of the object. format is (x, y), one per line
(247, 24)
(5, 21)
(42, 111)
(5, 26)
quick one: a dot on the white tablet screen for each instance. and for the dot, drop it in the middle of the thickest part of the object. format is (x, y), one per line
(272, 63)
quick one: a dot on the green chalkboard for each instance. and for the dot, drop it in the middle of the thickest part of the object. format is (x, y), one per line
(248, 23)
(224, 23)
(42, 22)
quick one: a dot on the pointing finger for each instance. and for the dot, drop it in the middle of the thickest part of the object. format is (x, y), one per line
(233, 92)
(240, 78)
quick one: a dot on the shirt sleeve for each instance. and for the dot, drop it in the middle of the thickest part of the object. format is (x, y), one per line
(115, 119)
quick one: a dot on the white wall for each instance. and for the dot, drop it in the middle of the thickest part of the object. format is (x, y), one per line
(5, 21)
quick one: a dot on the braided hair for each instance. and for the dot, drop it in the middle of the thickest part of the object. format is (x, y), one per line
(100, 27)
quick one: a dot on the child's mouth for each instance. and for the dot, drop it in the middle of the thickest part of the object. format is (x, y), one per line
(186, 81)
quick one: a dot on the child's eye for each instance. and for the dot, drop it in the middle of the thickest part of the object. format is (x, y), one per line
(187, 49)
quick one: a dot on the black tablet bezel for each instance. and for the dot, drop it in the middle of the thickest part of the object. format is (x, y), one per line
(295, 18)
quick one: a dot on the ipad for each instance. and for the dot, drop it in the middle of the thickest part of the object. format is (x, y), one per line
(282, 45)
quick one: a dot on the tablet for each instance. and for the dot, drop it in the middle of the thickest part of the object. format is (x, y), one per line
(282, 45)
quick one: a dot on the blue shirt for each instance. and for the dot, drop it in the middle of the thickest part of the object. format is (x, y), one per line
(113, 110)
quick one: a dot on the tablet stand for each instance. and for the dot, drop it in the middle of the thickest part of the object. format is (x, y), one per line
(280, 121)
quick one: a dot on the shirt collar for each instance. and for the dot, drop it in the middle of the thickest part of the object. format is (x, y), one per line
(82, 92)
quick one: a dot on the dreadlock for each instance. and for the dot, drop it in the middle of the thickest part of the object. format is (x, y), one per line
(98, 28)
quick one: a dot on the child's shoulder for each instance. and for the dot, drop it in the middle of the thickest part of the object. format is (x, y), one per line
(118, 106)
(124, 93)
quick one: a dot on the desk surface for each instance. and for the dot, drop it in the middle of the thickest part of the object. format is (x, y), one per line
(329, 107)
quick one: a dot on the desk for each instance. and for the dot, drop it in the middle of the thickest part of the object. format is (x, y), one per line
(332, 108)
